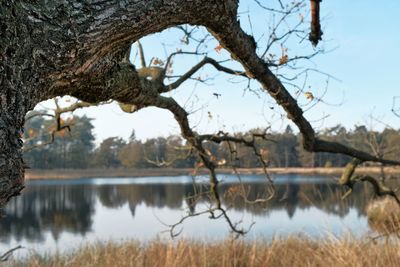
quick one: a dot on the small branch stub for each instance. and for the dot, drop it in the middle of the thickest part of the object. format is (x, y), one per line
(316, 32)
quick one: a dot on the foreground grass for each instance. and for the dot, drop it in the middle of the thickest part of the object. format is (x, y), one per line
(288, 252)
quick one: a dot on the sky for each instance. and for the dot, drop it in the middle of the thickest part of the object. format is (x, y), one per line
(360, 41)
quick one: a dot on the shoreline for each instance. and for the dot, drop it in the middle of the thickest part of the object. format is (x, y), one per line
(32, 174)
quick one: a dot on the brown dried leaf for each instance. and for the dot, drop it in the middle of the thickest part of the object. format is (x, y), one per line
(284, 59)
(218, 48)
(309, 96)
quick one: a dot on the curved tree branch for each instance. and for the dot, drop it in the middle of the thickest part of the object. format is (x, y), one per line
(141, 55)
(59, 124)
(198, 66)
(349, 179)
(242, 47)
(395, 107)
(83, 58)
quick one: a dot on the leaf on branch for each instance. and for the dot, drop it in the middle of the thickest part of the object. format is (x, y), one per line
(157, 61)
(309, 96)
(218, 48)
(284, 59)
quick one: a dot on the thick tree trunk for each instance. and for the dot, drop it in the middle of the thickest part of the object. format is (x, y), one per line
(11, 125)
(55, 48)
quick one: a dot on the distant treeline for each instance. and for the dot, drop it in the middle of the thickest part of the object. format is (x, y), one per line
(76, 149)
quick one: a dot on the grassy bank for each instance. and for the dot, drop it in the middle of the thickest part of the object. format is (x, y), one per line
(88, 173)
(288, 252)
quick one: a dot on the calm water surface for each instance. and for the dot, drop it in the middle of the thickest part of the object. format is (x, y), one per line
(62, 214)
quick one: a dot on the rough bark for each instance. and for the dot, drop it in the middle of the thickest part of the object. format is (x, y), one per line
(53, 48)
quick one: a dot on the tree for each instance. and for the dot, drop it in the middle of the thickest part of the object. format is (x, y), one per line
(84, 56)
(132, 154)
(107, 154)
(46, 148)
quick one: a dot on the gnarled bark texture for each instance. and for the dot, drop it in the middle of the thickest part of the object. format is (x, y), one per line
(54, 48)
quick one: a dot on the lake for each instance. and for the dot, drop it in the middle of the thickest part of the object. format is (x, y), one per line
(63, 214)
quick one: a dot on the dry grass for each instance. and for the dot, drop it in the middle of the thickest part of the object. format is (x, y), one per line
(384, 215)
(289, 252)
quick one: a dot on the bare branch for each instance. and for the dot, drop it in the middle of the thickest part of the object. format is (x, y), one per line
(276, 63)
(198, 66)
(37, 114)
(59, 124)
(271, 9)
(349, 179)
(243, 48)
(141, 54)
(179, 52)
(337, 148)
(273, 38)
(163, 163)
(395, 108)
(8, 253)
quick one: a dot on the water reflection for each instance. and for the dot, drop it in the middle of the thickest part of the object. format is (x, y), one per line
(68, 206)
(48, 208)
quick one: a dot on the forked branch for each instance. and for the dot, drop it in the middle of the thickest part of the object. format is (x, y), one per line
(59, 124)
(349, 179)
(243, 48)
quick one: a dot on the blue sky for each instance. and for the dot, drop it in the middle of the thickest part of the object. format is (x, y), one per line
(362, 38)
(366, 60)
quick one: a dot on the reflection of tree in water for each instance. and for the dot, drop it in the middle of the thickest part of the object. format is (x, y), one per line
(110, 196)
(292, 196)
(70, 208)
(48, 208)
(190, 197)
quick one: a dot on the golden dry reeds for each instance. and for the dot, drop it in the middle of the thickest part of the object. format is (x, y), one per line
(384, 215)
(293, 251)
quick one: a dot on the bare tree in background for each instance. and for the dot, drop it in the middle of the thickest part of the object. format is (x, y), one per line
(396, 106)
(60, 125)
